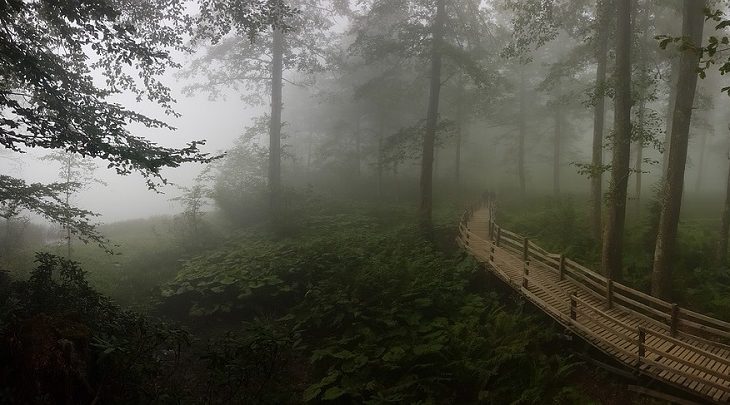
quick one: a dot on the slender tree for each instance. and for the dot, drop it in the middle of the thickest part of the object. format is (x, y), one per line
(692, 28)
(76, 172)
(643, 90)
(521, 171)
(721, 256)
(599, 114)
(277, 70)
(611, 259)
(432, 119)
(296, 37)
(557, 144)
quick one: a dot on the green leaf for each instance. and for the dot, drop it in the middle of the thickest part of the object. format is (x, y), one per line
(311, 393)
(333, 393)
(394, 354)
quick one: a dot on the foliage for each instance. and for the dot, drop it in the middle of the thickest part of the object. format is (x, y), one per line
(61, 341)
(47, 88)
(381, 315)
(49, 52)
(192, 231)
(712, 53)
(240, 177)
(48, 200)
(239, 41)
(557, 224)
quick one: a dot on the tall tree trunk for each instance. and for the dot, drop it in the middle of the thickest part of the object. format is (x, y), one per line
(431, 120)
(277, 70)
(692, 26)
(611, 260)
(673, 77)
(599, 115)
(69, 180)
(459, 132)
(556, 145)
(523, 133)
(725, 225)
(641, 116)
(701, 162)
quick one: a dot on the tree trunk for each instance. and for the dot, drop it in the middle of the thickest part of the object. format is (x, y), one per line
(725, 226)
(611, 260)
(673, 76)
(431, 121)
(701, 162)
(69, 180)
(641, 116)
(523, 133)
(459, 133)
(692, 25)
(556, 150)
(599, 115)
(277, 67)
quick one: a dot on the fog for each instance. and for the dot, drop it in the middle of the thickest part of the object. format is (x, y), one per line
(376, 201)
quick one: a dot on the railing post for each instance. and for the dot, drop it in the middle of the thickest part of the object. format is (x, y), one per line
(525, 249)
(499, 235)
(674, 325)
(525, 274)
(609, 294)
(573, 306)
(491, 253)
(561, 267)
(641, 346)
(491, 229)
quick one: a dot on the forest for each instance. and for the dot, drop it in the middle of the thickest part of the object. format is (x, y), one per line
(364, 201)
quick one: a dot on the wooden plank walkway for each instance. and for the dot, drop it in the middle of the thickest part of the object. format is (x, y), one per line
(658, 339)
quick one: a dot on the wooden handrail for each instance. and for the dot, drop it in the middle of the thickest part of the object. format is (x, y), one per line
(656, 337)
(684, 321)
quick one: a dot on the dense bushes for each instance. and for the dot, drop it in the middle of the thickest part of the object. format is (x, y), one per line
(61, 342)
(379, 315)
(351, 308)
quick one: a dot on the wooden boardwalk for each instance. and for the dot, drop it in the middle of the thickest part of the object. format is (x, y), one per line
(655, 338)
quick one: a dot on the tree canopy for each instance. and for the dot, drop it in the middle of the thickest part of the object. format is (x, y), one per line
(61, 62)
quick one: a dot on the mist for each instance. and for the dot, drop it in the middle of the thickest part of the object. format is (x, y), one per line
(409, 201)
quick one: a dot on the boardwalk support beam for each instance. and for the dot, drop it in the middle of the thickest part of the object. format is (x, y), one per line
(609, 293)
(525, 274)
(525, 249)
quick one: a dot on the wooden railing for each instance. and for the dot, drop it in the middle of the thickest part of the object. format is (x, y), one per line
(664, 324)
(677, 321)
